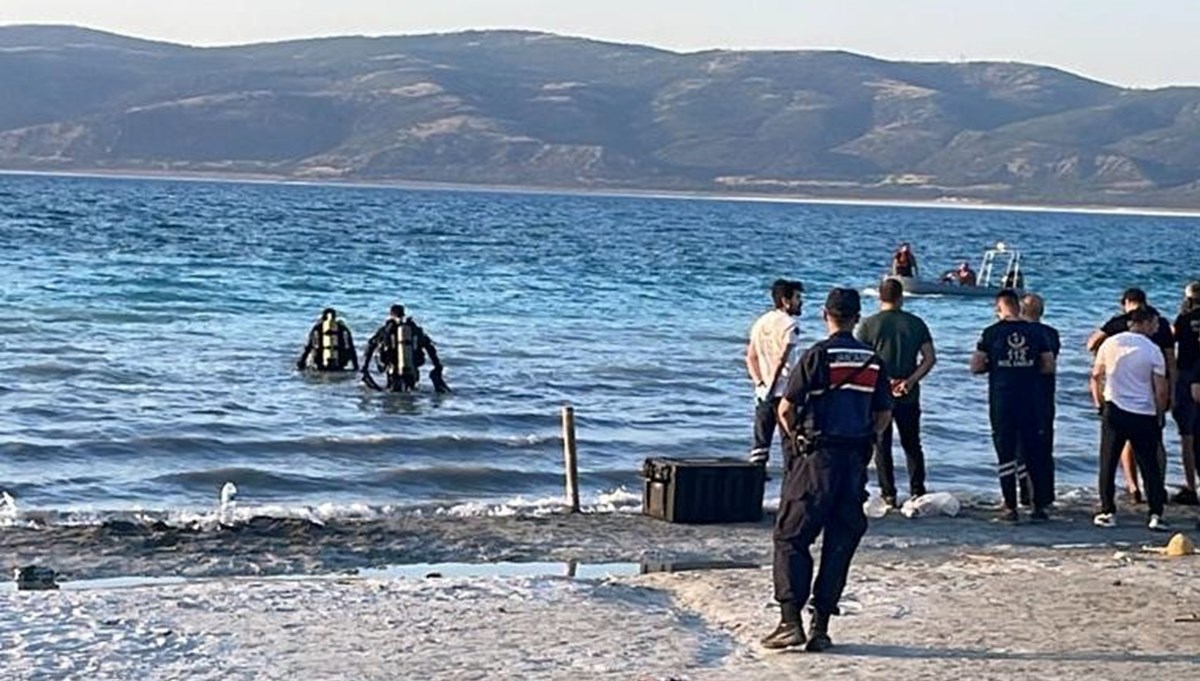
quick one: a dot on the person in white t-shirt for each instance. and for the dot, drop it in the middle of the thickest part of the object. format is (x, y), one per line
(1129, 388)
(770, 355)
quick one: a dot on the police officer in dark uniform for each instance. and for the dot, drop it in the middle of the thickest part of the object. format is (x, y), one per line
(838, 400)
(330, 345)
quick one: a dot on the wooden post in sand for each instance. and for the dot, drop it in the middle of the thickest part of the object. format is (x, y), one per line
(570, 457)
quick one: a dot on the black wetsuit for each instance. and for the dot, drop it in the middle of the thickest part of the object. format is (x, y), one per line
(338, 340)
(386, 340)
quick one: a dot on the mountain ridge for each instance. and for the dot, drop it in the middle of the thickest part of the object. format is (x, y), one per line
(512, 107)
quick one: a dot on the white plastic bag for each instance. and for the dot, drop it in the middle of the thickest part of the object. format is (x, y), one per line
(875, 507)
(762, 393)
(938, 503)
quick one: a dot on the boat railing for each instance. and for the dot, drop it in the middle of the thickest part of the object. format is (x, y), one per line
(1011, 263)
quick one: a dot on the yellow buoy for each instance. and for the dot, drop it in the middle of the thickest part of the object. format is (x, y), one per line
(1180, 545)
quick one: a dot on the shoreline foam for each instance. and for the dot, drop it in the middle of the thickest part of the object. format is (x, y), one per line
(262, 545)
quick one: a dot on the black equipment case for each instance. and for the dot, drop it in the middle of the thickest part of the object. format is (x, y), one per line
(707, 490)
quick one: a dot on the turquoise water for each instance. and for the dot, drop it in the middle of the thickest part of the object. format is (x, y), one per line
(153, 325)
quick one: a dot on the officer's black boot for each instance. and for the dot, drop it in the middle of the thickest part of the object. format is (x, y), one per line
(818, 635)
(789, 633)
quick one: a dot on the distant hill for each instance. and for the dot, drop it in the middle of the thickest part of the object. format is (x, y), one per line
(524, 108)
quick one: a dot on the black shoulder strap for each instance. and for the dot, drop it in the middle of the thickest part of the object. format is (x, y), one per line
(778, 372)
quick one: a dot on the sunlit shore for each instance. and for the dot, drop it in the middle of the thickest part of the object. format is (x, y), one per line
(927, 598)
(948, 202)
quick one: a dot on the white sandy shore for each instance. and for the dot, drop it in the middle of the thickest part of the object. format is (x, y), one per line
(1051, 614)
(928, 598)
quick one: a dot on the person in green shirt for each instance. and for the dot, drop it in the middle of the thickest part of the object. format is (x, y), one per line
(903, 341)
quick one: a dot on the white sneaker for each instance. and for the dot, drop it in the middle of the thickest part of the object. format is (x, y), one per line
(1105, 520)
(1157, 523)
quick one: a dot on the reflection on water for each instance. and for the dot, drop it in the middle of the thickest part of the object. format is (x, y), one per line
(569, 569)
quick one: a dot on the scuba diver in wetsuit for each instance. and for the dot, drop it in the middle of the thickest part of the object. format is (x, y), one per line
(403, 348)
(330, 344)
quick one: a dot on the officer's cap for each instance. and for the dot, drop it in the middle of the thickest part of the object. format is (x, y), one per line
(843, 303)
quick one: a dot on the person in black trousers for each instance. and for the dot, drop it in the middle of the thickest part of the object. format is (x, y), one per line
(903, 342)
(1130, 390)
(1016, 355)
(1032, 309)
(770, 355)
(838, 400)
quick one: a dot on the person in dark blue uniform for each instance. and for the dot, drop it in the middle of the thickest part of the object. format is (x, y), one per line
(1183, 408)
(837, 402)
(1033, 307)
(1016, 355)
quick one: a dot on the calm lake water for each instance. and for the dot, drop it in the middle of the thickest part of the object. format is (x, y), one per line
(153, 326)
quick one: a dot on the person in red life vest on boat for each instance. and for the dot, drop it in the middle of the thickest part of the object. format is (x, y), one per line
(963, 276)
(966, 275)
(904, 262)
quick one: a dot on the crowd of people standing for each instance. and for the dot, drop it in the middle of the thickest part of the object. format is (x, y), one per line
(835, 407)
(1139, 354)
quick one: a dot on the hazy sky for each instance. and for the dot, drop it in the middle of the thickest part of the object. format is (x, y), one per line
(1147, 43)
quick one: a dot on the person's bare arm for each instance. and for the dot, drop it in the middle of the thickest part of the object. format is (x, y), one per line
(1046, 363)
(1196, 392)
(1162, 394)
(1096, 383)
(786, 413)
(928, 360)
(752, 364)
(1095, 340)
(979, 362)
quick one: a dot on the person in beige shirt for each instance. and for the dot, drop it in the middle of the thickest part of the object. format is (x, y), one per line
(770, 355)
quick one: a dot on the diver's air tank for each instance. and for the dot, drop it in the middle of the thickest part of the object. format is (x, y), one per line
(405, 342)
(329, 344)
